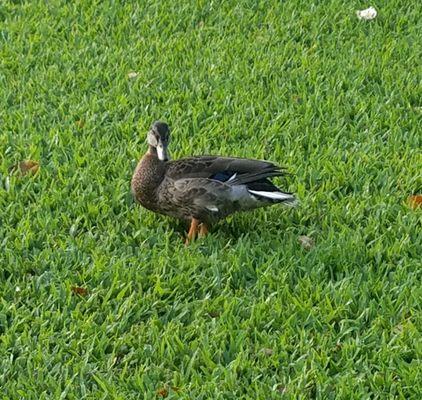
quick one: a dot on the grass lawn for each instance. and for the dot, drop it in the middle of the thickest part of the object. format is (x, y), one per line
(246, 313)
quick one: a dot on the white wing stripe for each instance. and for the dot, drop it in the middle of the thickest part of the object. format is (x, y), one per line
(273, 195)
(232, 177)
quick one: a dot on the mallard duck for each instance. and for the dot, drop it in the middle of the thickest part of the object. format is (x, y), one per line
(202, 189)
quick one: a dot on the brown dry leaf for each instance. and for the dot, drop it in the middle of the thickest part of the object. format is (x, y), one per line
(162, 392)
(280, 388)
(80, 123)
(306, 242)
(415, 201)
(79, 290)
(267, 351)
(25, 167)
(214, 314)
(297, 99)
(175, 389)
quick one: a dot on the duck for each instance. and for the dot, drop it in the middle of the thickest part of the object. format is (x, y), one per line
(202, 189)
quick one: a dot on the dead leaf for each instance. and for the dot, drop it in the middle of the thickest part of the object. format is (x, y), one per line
(162, 392)
(398, 329)
(415, 201)
(79, 290)
(214, 314)
(132, 75)
(306, 242)
(175, 389)
(267, 351)
(297, 99)
(280, 388)
(25, 167)
(80, 123)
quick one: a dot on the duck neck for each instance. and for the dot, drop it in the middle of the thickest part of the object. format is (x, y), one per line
(152, 151)
(148, 175)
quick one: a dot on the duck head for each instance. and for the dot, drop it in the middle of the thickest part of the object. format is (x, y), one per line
(158, 139)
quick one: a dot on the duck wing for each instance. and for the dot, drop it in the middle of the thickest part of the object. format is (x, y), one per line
(202, 198)
(212, 187)
(223, 169)
(209, 199)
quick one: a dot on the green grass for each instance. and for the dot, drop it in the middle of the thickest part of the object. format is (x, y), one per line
(246, 313)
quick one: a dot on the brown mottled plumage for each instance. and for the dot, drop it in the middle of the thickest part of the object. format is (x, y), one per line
(148, 175)
(203, 189)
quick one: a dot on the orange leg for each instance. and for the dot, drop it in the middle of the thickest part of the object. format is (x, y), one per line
(193, 230)
(203, 230)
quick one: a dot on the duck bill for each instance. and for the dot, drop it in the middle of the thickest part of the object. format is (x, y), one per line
(162, 152)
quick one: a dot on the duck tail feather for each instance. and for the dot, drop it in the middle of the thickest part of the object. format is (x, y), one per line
(275, 196)
(242, 179)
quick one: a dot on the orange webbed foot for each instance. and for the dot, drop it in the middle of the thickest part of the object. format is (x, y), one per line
(193, 231)
(203, 230)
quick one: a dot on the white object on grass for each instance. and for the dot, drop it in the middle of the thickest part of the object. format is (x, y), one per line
(368, 14)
